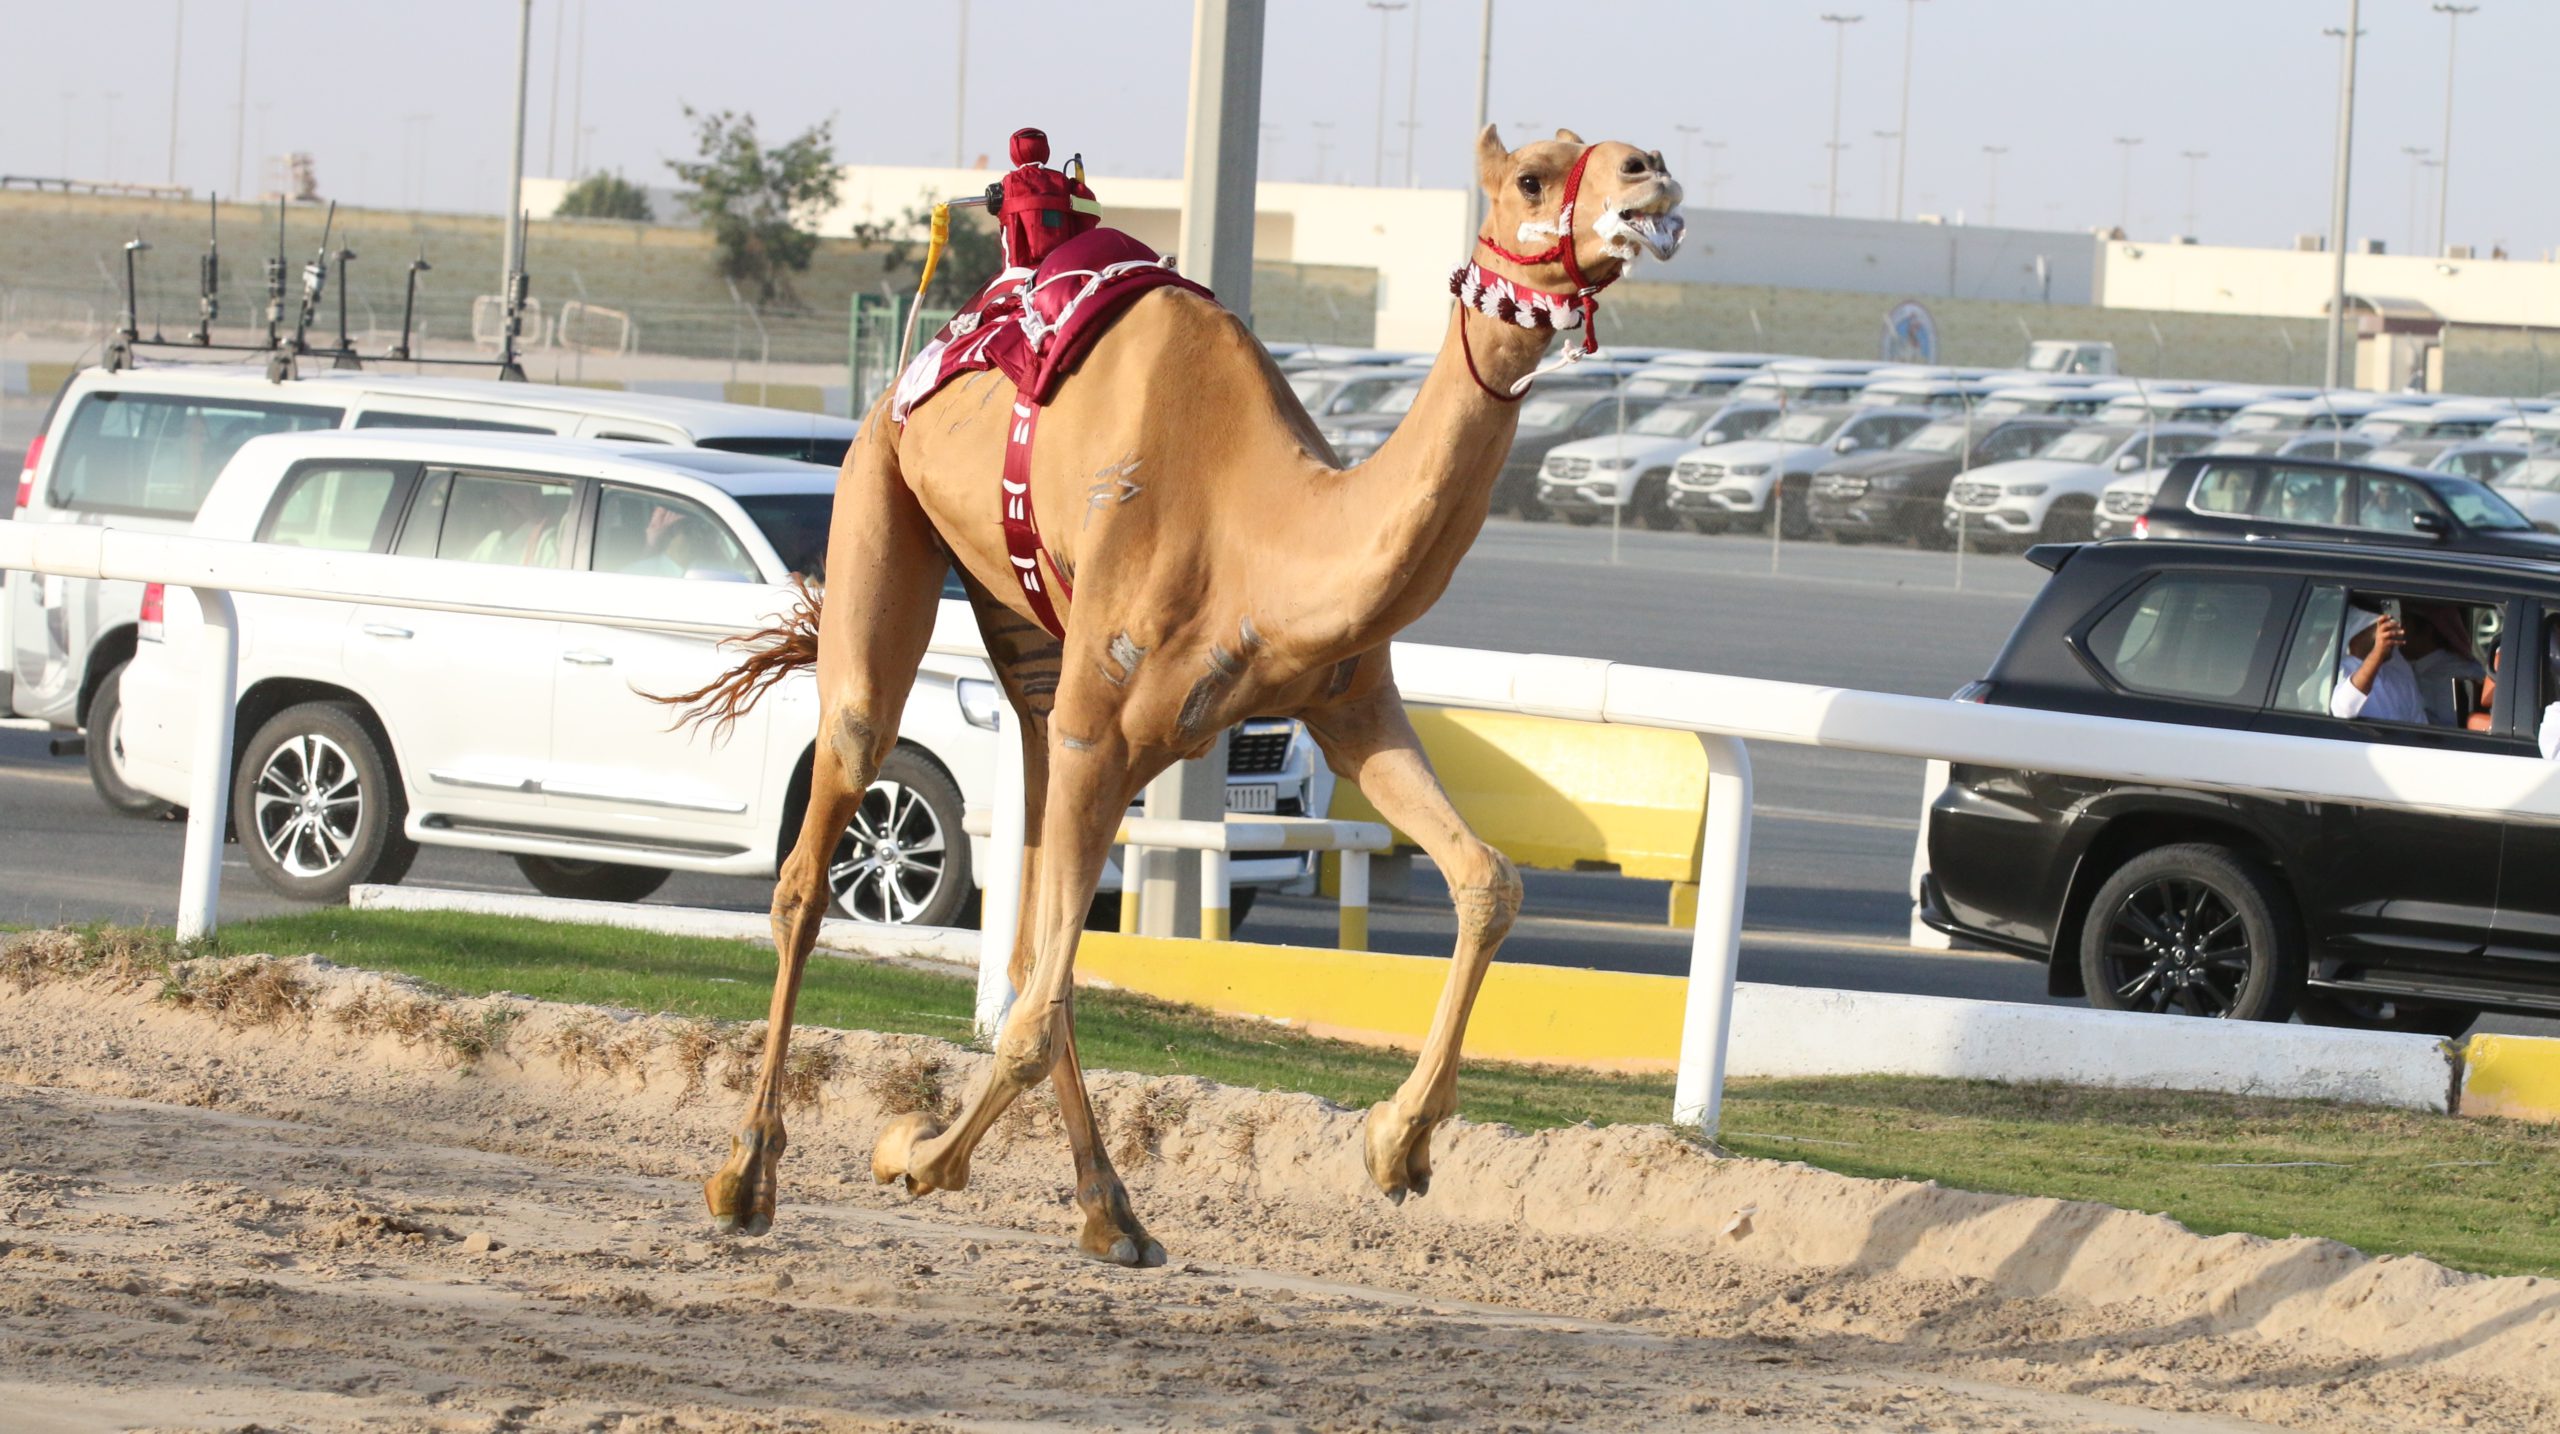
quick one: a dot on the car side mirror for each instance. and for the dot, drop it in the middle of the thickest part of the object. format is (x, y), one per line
(1845, 445)
(2431, 524)
(2129, 463)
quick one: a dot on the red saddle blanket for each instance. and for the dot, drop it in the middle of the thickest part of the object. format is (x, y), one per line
(1035, 325)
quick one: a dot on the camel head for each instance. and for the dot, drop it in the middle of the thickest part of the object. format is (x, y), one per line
(1627, 204)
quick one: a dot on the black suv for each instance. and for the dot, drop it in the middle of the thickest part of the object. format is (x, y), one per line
(2251, 498)
(1901, 492)
(2152, 898)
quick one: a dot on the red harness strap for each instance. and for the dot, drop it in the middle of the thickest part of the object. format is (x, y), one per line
(1586, 295)
(1022, 545)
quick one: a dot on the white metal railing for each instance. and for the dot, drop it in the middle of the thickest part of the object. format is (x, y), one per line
(1725, 712)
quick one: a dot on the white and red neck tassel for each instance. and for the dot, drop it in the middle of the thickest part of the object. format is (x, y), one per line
(1511, 302)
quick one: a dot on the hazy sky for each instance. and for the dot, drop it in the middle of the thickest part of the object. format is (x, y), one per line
(2252, 82)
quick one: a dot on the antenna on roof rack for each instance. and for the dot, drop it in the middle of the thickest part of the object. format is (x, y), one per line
(279, 359)
(409, 305)
(209, 273)
(315, 282)
(129, 323)
(511, 312)
(346, 356)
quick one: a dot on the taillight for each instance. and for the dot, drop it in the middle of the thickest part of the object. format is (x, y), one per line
(27, 475)
(2142, 526)
(155, 599)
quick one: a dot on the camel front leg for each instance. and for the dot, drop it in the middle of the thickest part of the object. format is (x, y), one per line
(1370, 741)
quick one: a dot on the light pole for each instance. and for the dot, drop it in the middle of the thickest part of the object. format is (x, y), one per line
(578, 100)
(2444, 156)
(1385, 9)
(1991, 203)
(1715, 167)
(1324, 145)
(177, 54)
(1902, 136)
(2335, 345)
(2417, 170)
(1884, 157)
(513, 251)
(1412, 88)
(1688, 140)
(240, 114)
(1839, 68)
(551, 124)
(2193, 157)
(960, 93)
(2124, 191)
(1270, 132)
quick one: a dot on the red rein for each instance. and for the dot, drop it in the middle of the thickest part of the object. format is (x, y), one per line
(1585, 296)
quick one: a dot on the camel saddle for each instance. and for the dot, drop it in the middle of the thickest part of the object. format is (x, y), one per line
(1064, 283)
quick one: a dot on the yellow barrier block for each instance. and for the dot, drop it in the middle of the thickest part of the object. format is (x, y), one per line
(799, 397)
(1565, 795)
(2516, 1076)
(1610, 1020)
(1684, 903)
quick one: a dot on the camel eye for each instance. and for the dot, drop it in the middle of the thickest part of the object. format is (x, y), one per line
(1529, 185)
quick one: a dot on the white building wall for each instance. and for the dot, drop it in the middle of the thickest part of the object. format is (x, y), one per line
(1875, 256)
(2213, 279)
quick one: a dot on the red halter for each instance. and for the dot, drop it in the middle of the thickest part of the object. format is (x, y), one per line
(1585, 297)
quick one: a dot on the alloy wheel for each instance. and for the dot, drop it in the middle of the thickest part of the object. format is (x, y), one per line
(308, 804)
(2176, 945)
(893, 859)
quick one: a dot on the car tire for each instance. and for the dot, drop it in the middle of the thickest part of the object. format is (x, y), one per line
(1582, 520)
(2072, 520)
(591, 880)
(318, 806)
(2193, 929)
(905, 860)
(2376, 1013)
(1534, 508)
(106, 753)
(1930, 535)
(1653, 502)
(1795, 514)
(1708, 526)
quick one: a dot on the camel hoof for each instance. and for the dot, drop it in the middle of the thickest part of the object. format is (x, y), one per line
(893, 1154)
(1398, 1152)
(1138, 1254)
(742, 1192)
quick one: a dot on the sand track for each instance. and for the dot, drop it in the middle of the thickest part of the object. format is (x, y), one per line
(317, 1226)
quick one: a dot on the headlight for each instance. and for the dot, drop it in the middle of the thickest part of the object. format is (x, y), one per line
(979, 702)
(1749, 470)
(2025, 490)
(1612, 464)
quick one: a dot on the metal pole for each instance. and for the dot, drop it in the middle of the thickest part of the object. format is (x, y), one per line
(1991, 207)
(1412, 90)
(1484, 92)
(551, 126)
(2194, 159)
(2337, 329)
(1902, 150)
(960, 93)
(1839, 70)
(177, 57)
(240, 115)
(2124, 192)
(1385, 8)
(2444, 156)
(578, 99)
(2417, 170)
(1216, 244)
(1715, 947)
(1884, 157)
(209, 784)
(1000, 898)
(513, 251)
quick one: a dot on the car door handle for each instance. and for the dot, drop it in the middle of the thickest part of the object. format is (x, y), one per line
(586, 658)
(384, 629)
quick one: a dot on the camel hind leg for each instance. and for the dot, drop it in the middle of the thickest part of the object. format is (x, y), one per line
(884, 583)
(1369, 741)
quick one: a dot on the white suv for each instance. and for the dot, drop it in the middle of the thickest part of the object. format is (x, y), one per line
(2054, 496)
(366, 732)
(138, 448)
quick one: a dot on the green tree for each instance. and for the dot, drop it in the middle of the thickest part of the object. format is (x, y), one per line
(754, 200)
(605, 196)
(974, 255)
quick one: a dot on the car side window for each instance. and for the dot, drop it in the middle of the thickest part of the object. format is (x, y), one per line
(2189, 635)
(2169, 446)
(339, 507)
(1598, 419)
(2310, 666)
(2304, 495)
(2011, 444)
(649, 534)
(521, 522)
(2223, 488)
(2389, 505)
(159, 453)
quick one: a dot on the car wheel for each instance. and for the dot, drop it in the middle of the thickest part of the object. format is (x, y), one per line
(1582, 520)
(318, 806)
(1708, 525)
(591, 880)
(1795, 517)
(1534, 508)
(1653, 502)
(2192, 930)
(1846, 537)
(1931, 535)
(106, 753)
(2378, 1013)
(2073, 520)
(905, 860)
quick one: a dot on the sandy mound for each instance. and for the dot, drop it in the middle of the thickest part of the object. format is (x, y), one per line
(314, 1196)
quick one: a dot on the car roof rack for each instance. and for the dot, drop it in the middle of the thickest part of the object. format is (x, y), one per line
(286, 346)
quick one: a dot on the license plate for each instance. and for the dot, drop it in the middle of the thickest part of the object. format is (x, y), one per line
(1253, 797)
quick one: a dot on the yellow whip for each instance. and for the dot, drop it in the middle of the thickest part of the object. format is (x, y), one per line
(941, 239)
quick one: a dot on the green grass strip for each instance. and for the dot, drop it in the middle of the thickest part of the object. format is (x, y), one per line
(2476, 1194)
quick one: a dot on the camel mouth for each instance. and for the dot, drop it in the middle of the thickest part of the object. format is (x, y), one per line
(1629, 231)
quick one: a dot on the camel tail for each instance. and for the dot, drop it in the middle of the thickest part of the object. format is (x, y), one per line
(773, 653)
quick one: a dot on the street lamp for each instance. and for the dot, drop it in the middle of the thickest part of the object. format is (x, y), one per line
(1839, 67)
(1902, 148)
(2193, 157)
(2444, 181)
(177, 56)
(2335, 345)
(1884, 157)
(2124, 192)
(1324, 144)
(1385, 9)
(1688, 137)
(2417, 170)
(1715, 166)
(1991, 207)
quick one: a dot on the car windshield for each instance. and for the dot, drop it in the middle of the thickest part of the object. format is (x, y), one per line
(2397, 457)
(796, 525)
(2086, 446)
(2000, 407)
(2383, 430)
(2479, 507)
(1550, 412)
(1936, 438)
(1671, 422)
(2539, 474)
(1807, 427)
(2262, 422)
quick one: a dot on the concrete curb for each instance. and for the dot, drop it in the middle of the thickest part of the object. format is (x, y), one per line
(1615, 1020)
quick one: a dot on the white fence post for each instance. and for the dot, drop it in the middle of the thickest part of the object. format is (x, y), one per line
(1214, 925)
(1000, 898)
(209, 785)
(1355, 901)
(1715, 949)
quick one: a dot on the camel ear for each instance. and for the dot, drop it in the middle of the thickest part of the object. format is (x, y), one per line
(1568, 136)
(1491, 156)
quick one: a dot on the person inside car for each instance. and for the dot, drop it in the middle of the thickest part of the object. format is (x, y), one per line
(2375, 683)
(2439, 654)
